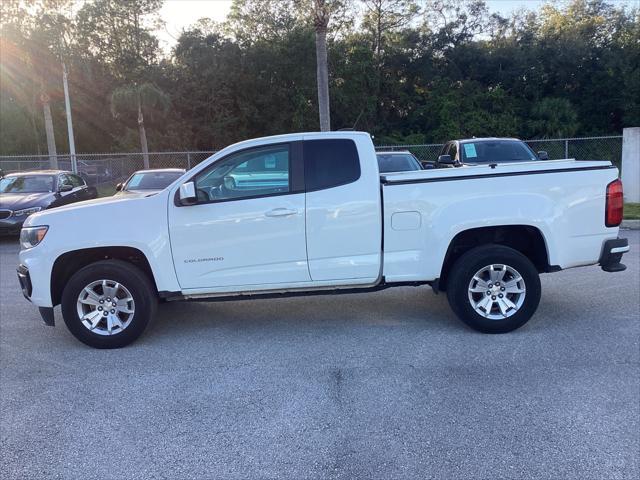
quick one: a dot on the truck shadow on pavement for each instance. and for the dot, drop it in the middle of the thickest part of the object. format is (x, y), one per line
(399, 307)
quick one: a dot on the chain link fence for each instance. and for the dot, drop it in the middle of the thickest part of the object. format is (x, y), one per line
(105, 171)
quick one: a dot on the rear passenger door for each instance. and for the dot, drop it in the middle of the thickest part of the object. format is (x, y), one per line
(343, 211)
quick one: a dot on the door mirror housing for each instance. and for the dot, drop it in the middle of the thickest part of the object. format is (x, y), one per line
(542, 155)
(119, 187)
(188, 193)
(65, 188)
(445, 160)
(427, 165)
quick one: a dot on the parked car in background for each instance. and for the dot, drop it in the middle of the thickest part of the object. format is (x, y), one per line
(149, 181)
(398, 161)
(22, 194)
(95, 171)
(474, 151)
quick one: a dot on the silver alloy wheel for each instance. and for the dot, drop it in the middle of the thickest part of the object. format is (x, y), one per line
(497, 291)
(105, 307)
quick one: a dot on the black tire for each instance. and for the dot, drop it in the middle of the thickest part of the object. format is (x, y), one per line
(469, 264)
(128, 275)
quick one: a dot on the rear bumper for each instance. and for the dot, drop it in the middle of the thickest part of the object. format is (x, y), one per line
(612, 252)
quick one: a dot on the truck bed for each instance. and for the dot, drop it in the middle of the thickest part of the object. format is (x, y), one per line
(562, 199)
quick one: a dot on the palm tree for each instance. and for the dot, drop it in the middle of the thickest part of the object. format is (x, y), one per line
(130, 102)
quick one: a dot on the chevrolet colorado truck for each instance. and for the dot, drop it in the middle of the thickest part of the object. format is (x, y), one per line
(310, 213)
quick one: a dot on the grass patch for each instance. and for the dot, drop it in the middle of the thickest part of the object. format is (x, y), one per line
(632, 211)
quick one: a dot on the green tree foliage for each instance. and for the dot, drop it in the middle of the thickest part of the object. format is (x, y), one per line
(553, 118)
(405, 70)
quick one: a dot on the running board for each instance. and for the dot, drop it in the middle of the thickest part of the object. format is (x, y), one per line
(262, 295)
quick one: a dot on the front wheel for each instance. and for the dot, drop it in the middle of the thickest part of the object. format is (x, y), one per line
(108, 304)
(494, 289)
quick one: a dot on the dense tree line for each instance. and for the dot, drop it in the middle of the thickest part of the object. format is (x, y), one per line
(405, 70)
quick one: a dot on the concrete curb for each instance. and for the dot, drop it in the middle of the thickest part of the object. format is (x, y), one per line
(630, 224)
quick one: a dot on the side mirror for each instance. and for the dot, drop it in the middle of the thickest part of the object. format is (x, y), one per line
(65, 188)
(542, 155)
(188, 193)
(119, 187)
(427, 165)
(445, 160)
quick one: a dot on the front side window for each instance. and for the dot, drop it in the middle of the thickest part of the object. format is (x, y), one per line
(76, 181)
(27, 184)
(250, 173)
(330, 163)
(65, 180)
(453, 151)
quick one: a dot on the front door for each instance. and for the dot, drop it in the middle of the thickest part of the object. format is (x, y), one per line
(248, 225)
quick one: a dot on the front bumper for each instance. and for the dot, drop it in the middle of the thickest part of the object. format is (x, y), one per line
(11, 225)
(25, 281)
(612, 252)
(27, 289)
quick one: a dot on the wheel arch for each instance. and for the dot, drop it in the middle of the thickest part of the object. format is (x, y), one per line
(526, 239)
(70, 262)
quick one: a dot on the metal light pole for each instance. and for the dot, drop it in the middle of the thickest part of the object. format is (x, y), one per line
(67, 105)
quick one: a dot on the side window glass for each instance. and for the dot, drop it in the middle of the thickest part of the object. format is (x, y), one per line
(330, 163)
(453, 150)
(250, 173)
(76, 181)
(65, 180)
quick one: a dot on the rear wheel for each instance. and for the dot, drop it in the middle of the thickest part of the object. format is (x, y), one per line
(494, 289)
(108, 304)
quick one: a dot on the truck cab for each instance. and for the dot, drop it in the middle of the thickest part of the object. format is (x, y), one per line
(298, 210)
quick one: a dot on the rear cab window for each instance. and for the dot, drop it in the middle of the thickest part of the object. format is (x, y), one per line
(330, 163)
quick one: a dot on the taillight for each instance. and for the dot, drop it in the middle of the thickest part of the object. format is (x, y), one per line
(614, 205)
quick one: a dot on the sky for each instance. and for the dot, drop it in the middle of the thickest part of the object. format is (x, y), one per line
(179, 14)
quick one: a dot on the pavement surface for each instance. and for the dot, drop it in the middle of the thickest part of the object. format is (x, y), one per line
(381, 385)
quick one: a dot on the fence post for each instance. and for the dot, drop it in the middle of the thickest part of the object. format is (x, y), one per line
(566, 149)
(188, 160)
(631, 164)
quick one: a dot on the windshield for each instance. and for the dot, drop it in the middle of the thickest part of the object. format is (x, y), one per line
(496, 151)
(27, 184)
(152, 180)
(397, 162)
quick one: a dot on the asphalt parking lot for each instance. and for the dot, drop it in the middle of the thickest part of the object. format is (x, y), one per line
(381, 385)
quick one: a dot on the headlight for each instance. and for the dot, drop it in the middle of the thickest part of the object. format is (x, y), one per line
(26, 211)
(32, 236)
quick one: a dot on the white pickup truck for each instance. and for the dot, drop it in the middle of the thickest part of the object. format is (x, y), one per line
(310, 213)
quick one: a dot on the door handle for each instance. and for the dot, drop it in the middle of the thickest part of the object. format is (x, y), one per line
(281, 212)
